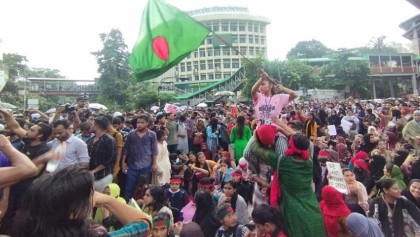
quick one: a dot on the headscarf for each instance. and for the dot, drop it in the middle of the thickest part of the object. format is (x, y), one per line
(293, 150)
(333, 207)
(361, 226)
(376, 167)
(360, 155)
(266, 134)
(362, 164)
(397, 175)
(115, 192)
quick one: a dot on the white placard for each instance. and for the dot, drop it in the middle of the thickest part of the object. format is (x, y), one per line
(331, 130)
(346, 125)
(336, 178)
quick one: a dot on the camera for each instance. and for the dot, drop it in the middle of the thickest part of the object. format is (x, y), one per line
(68, 108)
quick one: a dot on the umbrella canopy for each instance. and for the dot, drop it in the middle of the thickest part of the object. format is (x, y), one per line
(225, 93)
(202, 105)
(97, 106)
(50, 111)
(7, 105)
(154, 108)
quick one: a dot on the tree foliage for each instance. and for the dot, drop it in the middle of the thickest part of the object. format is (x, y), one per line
(16, 65)
(113, 67)
(252, 74)
(308, 49)
(342, 73)
(44, 73)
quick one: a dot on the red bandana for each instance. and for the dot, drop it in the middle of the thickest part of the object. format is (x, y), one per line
(295, 151)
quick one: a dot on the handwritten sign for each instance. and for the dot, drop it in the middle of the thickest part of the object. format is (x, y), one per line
(331, 130)
(336, 177)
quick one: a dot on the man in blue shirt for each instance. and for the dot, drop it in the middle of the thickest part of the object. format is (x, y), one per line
(139, 154)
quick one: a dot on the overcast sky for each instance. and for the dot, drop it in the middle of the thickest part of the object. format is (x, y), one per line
(60, 34)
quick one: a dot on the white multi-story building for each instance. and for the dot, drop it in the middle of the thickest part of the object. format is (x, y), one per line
(214, 60)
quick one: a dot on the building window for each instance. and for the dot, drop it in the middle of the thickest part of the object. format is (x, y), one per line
(195, 54)
(233, 26)
(234, 39)
(251, 39)
(202, 53)
(202, 65)
(216, 52)
(251, 51)
(209, 40)
(225, 26)
(235, 63)
(182, 68)
(250, 27)
(226, 51)
(262, 29)
(216, 26)
(210, 64)
(262, 40)
(257, 40)
(211, 76)
(243, 51)
(209, 52)
(196, 78)
(226, 63)
(203, 77)
(256, 28)
(242, 39)
(241, 26)
(218, 76)
(188, 66)
(217, 64)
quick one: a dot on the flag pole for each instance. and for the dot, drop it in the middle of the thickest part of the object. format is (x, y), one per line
(243, 56)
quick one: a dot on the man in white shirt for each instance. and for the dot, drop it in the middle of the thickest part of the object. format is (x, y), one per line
(72, 150)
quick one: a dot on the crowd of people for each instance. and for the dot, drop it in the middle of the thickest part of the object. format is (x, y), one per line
(224, 171)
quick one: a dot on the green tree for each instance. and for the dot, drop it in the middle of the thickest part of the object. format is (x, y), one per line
(295, 73)
(342, 73)
(16, 65)
(252, 74)
(308, 49)
(144, 95)
(44, 73)
(113, 67)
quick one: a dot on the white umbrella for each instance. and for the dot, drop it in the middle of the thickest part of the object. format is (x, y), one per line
(7, 105)
(97, 106)
(154, 108)
(202, 105)
(50, 111)
(225, 93)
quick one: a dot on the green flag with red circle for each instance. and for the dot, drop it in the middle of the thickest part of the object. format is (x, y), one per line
(167, 35)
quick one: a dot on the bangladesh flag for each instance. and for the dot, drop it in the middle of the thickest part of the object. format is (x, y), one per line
(167, 35)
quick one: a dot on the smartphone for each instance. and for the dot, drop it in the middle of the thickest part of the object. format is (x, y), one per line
(250, 226)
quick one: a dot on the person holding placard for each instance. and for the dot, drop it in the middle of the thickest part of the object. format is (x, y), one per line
(357, 198)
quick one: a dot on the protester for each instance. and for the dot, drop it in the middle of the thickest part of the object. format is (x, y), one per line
(398, 216)
(298, 199)
(269, 221)
(227, 217)
(334, 212)
(361, 226)
(59, 204)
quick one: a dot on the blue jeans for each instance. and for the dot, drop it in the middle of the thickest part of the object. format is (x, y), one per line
(131, 180)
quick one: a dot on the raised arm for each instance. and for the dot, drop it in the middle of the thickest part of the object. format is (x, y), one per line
(256, 86)
(22, 167)
(12, 124)
(292, 94)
